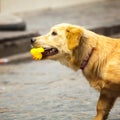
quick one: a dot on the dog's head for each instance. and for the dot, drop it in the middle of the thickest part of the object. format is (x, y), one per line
(60, 42)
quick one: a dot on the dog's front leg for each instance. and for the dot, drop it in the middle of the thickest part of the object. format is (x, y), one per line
(104, 105)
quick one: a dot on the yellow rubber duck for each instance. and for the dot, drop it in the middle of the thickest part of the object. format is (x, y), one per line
(37, 53)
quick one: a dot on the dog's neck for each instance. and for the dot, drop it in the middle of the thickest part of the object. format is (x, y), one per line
(86, 60)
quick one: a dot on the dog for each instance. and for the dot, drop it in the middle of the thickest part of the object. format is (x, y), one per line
(96, 55)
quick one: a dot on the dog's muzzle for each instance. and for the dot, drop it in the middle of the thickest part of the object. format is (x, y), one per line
(33, 40)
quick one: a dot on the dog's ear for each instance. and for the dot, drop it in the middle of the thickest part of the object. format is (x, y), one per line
(73, 35)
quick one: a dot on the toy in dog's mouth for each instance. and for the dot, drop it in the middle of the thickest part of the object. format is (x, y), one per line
(41, 53)
(49, 52)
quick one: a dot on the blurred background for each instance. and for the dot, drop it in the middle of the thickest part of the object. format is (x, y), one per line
(47, 90)
(13, 6)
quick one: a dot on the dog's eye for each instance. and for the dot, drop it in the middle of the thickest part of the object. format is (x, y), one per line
(53, 33)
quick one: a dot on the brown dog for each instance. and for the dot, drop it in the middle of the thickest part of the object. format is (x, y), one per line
(97, 56)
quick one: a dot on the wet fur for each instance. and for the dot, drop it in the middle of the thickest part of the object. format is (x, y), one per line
(103, 68)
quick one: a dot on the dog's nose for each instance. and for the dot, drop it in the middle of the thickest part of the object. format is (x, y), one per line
(33, 40)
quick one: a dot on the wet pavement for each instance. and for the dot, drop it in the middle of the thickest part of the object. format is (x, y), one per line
(46, 90)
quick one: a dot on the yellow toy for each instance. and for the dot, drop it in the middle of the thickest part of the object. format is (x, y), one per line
(37, 53)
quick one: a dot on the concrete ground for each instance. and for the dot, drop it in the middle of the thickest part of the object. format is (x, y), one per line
(46, 90)
(104, 14)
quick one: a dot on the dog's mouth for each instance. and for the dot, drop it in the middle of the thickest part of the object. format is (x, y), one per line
(49, 52)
